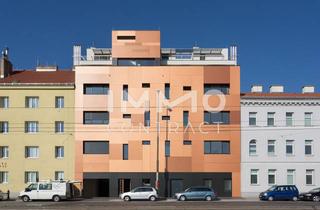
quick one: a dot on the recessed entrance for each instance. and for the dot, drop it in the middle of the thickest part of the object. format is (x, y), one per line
(96, 188)
(124, 185)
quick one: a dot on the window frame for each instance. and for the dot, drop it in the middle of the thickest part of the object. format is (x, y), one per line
(91, 151)
(92, 121)
(103, 88)
(222, 149)
(254, 172)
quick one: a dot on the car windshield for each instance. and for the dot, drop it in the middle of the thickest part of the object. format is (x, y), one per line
(272, 188)
(314, 190)
(188, 190)
(33, 187)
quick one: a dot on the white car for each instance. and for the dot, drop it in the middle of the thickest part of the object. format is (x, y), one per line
(140, 193)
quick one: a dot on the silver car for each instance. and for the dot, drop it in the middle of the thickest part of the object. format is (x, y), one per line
(140, 193)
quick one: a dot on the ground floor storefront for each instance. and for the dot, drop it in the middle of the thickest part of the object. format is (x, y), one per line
(112, 184)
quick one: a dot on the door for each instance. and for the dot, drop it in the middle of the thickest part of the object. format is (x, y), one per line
(137, 193)
(124, 185)
(176, 186)
(33, 193)
(45, 191)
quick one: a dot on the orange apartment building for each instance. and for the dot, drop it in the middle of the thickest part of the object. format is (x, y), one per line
(124, 91)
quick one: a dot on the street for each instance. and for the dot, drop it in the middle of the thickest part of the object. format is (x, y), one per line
(113, 204)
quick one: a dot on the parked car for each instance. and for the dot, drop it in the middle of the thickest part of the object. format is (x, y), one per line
(140, 193)
(49, 190)
(312, 195)
(196, 193)
(280, 192)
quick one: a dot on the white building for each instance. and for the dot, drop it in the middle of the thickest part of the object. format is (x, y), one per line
(280, 139)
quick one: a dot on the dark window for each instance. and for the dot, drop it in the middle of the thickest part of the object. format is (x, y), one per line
(224, 88)
(217, 117)
(165, 117)
(167, 148)
(125, 152)
(95, 117)
(147, 118)
(185, 118)
(59, 102)
(125, 93)
(126, 37)
(216, 147)
(186, 88)
(167, 91)
(145, 85)
(137, 62)
(187, 142)
(146, 182)
(96, 89)
(145, 142)
(126, 116)
(95, 147)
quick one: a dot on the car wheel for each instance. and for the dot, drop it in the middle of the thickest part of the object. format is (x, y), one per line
(182, 198)
(152, 198)
(56, 198)
(25, 198)
(126, 198)
(294, 198)
(270, 198)
(208, 198)
(316, 198)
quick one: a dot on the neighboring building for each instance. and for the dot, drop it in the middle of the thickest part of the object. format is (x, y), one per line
(114, 153)
(280, 139)
(36, 126)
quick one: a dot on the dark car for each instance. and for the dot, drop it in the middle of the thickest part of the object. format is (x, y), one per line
(280, 192)
(196, 193)
(312, 195)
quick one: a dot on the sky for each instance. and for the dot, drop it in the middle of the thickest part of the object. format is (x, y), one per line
(278, 40)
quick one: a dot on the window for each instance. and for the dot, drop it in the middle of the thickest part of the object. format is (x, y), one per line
(186, 88)
(126, 37)
(216, 147)
(271, 118)
(187, 142)
(96, 89)
(45, 186)
(309, 176)
(4, 102)
(167, 91)
(185, 118)
(32, 102)
(271, 147)
(4, 127)
(31, 127)
(290, 176)
(271, 176)
(145, 85)
(289, 118)
(147, 118)
(167, 148)
(4, 152)
(31, 176)
(145, 142)
(207, 183)
(126, 116)
(308, 147)
(59, 126)
(146, 182)
(32, 152)
(252, 118)
(289, 147)
(253, 147)
(125, 152)
(125, 92)
(95, 117)
(223, 88)
(59, 175)
(254, 179)
(59, 102)
(59, 151)
(95, 147)
(227, 185)
(217, 117)
(137, 62)
(307, 118)
(4, 177)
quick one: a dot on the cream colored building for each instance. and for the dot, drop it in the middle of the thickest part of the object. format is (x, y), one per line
(36, 127)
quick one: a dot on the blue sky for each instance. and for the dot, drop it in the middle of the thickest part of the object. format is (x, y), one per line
(278, 40)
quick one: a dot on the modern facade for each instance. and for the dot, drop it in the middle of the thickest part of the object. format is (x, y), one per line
(36, 126)
(123, 92)
(280, 139)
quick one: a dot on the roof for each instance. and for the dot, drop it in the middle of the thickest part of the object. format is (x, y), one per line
(280, 95)
(34, 77)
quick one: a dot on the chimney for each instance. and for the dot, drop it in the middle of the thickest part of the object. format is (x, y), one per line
(276, 89)
(47, 68)
(308, 89)
(256, 89)
(5, 64)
